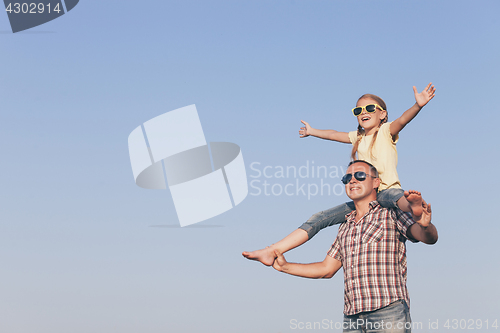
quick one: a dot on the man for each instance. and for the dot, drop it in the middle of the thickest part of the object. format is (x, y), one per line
(370, 247)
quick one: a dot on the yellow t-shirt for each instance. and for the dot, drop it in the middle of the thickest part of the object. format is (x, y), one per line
(384, 155)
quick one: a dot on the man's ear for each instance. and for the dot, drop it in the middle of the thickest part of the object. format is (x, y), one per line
(377, 183)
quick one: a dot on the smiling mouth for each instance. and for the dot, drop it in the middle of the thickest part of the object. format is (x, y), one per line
(365, 118)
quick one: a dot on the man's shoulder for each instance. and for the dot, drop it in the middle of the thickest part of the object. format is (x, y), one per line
(376, 208)
(401, 220)
(375, 204)
(391, 212)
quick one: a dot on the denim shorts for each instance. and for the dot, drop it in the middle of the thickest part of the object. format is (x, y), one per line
(394, 318)
(387, 198)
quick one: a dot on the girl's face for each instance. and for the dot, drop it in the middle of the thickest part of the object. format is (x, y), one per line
(370, 120)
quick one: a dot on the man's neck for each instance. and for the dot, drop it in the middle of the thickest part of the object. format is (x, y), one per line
(363, 206)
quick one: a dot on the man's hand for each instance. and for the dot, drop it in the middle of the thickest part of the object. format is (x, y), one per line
(280, 262)
(423, 230)
(426, 217)
(425, 96)
(306, 130)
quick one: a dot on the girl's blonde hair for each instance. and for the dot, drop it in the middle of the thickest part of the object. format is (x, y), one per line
(361, 130)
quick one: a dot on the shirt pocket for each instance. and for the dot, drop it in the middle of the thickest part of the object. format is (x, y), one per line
(373, 232)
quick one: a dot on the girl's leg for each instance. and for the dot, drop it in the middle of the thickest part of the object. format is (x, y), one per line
(305, 232)
(407, 201)
(390, 197)
(327, 218)
(414, 200)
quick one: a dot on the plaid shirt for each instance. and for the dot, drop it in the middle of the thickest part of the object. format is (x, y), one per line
(373, 256)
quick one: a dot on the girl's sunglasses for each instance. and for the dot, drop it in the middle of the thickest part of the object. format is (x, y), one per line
(359, 175)
(370, 108)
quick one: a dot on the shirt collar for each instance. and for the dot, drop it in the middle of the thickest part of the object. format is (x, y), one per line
(373, 204)
(352, 215)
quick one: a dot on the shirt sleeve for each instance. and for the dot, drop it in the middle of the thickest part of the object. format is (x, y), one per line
(385, 130)
(353, 136)
(403, 221)
(334, 251)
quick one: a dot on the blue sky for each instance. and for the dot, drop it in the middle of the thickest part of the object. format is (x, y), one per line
(82, 248)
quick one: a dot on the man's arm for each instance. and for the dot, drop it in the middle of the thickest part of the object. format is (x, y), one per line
(318, 270)
(423, 231)
(267, 256)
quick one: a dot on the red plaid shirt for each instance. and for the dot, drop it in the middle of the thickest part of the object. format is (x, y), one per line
(373, 256)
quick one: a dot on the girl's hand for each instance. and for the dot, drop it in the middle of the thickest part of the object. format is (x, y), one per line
(280, 262)
(306, 130)
(425, 96)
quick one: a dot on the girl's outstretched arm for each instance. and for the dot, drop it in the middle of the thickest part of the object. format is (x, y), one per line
(323, 134)
(421, 100)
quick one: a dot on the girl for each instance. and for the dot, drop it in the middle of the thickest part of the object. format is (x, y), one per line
(374, 142)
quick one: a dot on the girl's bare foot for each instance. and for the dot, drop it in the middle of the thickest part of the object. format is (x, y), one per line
(415, 200)
(265, 256)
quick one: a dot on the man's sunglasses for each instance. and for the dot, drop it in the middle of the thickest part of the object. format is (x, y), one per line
(370, 108)
(359, 175)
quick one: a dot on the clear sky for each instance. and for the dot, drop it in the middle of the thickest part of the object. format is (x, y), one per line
(83, 249)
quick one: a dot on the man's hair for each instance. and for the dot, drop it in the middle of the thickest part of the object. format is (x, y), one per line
(373, 170)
